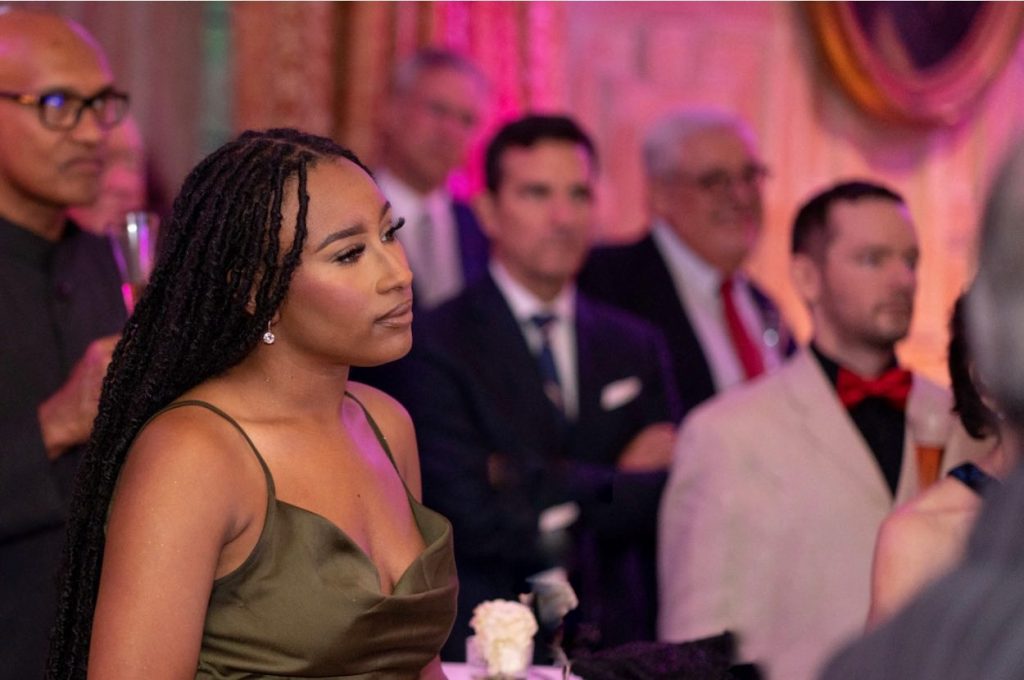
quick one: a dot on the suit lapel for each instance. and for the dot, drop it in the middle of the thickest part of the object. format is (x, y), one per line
(473, 245)
(588, 382)
(514, 376)
(837, 440)
(692, 370)
(771, 319)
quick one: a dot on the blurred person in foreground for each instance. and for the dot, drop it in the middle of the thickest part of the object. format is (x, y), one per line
(239, 512)
(705, 182)
(922, 539)
(970, 623)
(778, 488)
(545, 419)
(62, 305)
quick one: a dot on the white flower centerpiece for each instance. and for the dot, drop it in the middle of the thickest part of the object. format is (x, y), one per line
(503, 640)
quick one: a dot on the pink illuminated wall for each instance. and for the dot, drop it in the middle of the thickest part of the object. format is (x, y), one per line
(629, 61)
(618, 65)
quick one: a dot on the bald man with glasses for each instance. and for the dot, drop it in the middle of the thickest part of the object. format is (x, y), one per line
(62, 307)
(704, 179)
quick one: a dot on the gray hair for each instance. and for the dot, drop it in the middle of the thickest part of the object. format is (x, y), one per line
(430, 59)
(996, 302)
(674, 128)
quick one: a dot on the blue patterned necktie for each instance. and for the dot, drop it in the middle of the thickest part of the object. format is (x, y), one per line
(546, 359)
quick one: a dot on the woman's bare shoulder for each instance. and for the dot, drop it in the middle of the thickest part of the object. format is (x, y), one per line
(190, 434)
(396, 426)
(195, 454)
(390, 416)
(938, 512)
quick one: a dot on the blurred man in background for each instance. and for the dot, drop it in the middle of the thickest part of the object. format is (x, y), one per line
(62, 304)
(704, 179)
(432, 115)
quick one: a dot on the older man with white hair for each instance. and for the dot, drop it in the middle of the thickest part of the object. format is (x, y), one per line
(704, 178)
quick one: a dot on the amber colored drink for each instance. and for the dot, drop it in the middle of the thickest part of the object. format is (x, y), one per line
(929, 463)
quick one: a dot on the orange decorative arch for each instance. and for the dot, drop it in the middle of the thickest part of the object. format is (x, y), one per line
(875, 68)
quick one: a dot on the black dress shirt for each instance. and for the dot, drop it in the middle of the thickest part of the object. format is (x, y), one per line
(55, 298)
(880, 423)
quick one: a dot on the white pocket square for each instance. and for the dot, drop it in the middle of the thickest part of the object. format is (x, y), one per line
(620, 392)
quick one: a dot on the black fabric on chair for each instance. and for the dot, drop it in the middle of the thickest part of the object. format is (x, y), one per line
(706, 659)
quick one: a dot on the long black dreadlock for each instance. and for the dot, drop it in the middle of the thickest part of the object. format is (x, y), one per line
(220, 278)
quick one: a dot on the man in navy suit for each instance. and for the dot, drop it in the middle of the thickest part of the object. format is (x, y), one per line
(704, 194)
(544, 419)
(431, 116)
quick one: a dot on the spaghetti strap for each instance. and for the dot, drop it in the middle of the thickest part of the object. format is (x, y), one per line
(376, 431)
(210, 407)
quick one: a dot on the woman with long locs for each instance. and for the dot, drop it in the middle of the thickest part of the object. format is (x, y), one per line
(240, 513)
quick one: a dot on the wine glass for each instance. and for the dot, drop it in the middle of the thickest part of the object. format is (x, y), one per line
(134, 245)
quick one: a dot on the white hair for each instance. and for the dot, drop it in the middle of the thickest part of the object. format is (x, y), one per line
(663, 138)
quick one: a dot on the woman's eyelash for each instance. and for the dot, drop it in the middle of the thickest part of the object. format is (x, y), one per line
(392, 231)
(350, 255)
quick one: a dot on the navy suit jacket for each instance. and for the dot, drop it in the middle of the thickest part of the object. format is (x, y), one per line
(474, 390)
(474, 248)
(636, 278)
(474, 253)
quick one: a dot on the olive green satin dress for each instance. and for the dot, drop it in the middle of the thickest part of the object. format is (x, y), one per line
(307, 603)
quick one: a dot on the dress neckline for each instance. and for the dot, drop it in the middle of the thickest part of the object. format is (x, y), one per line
(268, 520)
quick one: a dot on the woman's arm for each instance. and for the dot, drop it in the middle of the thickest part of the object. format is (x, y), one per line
(179, 519)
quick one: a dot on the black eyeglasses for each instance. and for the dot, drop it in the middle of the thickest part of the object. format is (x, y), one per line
(60, 110)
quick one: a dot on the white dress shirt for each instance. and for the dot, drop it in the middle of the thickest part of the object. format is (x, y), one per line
(561, 334)
(698, 285)
(430, 239)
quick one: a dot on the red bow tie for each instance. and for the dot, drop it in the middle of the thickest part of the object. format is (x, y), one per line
(893, 386)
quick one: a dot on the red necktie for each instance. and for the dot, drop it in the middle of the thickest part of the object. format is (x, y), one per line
(893, 386)
(748, 352)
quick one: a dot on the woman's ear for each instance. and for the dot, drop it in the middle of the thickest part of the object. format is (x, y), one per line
(807, 277)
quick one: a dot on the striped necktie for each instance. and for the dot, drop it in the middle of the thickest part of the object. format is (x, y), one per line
(546, 359)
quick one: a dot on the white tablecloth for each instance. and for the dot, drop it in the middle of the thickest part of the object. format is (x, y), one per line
(460, 671)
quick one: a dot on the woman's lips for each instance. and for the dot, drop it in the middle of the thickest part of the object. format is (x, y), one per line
(400, 315)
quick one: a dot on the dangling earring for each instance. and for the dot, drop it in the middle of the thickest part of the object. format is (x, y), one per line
(269, 338)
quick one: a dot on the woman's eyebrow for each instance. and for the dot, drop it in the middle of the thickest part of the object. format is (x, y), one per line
(341, 234)
(354, 230)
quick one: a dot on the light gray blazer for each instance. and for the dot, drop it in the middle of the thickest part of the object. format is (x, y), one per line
(767, 525)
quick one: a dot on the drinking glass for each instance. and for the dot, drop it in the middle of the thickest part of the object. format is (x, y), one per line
(134, 245)
(930, 432)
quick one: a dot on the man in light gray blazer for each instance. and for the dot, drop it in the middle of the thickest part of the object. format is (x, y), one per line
(768, 522)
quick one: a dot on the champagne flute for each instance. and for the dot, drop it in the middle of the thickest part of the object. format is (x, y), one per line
(134, 245)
